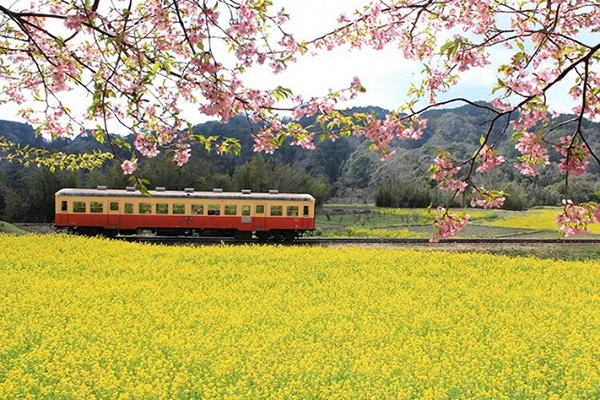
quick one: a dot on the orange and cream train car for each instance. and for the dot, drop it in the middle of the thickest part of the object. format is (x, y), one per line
(268, 216)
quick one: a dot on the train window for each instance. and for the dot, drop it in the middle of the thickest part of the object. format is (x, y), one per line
(292, 211)
(276, 211)
(162, 208)
(63, 206)
(114, 206)
(260, 209)
(145, 208)
(178, 208)
(96, 207)
(79, 206)
(230, 209)
(214, 209)
(306, 211)
(245, 211)
(198, 209)
(128, 208)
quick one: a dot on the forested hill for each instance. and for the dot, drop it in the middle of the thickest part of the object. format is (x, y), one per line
(343, 169)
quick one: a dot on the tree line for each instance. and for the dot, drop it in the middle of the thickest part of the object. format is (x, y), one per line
(27, 194)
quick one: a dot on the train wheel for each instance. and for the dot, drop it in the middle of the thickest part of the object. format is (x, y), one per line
(289, 237)
(262, 236)
(242, 235)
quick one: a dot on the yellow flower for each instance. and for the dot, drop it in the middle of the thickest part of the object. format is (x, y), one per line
(87, 318)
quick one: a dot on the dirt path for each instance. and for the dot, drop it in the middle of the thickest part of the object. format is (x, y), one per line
(36, 228)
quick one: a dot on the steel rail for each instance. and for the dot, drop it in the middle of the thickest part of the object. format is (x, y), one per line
(342, 241)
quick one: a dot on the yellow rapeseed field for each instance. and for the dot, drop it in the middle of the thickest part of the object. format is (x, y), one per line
(95, 318)
(354, 231)
(542, 219)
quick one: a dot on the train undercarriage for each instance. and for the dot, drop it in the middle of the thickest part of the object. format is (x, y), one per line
(261, 236)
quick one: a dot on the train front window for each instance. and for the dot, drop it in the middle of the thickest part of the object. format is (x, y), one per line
(260, 209)
(178, 208)
(63, 205)
(79, 206)
(214, 209)
(145, 208)
(162, 208)
(306, 211)
(114, 206)
(245, 211)
(292, 211)
(198, 209)
(96, 207)
(128, 208)
(276, 211)
(230, 209)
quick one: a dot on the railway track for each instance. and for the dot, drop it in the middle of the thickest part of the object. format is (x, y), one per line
(358, 241)
(452, 243)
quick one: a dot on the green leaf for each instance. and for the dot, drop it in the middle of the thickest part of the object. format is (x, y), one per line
(99, 135)
(517, 135)
(280, 140)
(499, 85)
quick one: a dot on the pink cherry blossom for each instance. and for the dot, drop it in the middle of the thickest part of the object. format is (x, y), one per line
(574, 219)
(444, 171)
(576, 158)
(443, 168)
(129, 166)
(447, 224)
(534, 154)
(75, 21)
(490, 159)
(182, 156)
(454, 185)
(487, 198)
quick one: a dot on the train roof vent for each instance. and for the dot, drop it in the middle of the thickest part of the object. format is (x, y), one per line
(130, 188)
(218, 190)
(160, 188)
(273, 191)
(101, 187)
(189, 190)
(246, 191)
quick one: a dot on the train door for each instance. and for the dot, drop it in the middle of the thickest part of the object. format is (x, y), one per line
(62, 214)
(114, 214)
(260, 217)
(306, 217)
(246, 218)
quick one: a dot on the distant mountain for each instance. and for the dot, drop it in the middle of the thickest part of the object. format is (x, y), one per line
(347, 164)
(18, 132)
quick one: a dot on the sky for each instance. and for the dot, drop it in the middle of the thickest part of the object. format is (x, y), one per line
(385, 74)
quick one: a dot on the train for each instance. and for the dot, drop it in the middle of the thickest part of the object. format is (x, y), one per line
(271, 216)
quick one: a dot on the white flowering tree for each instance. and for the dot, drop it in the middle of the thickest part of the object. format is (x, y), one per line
(138, 63)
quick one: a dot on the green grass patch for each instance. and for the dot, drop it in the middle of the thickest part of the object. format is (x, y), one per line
(358, 232)
(6, 227)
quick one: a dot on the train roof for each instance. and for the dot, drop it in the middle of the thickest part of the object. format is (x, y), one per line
(188, 193)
